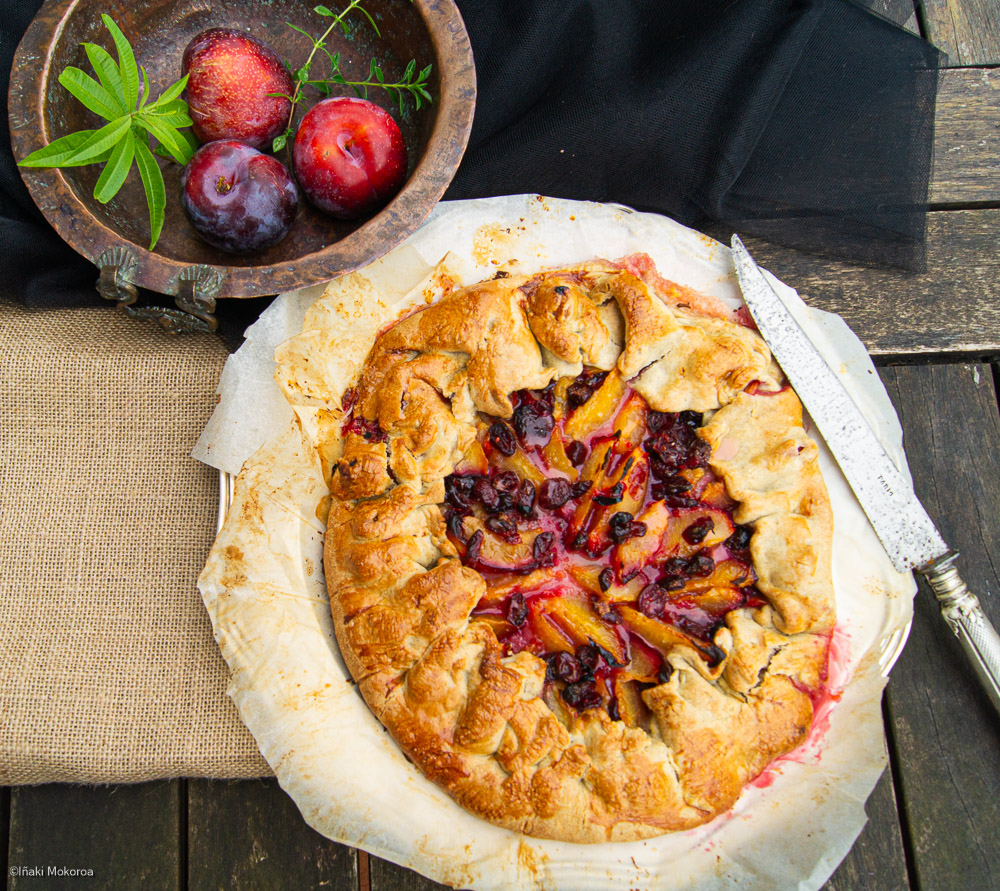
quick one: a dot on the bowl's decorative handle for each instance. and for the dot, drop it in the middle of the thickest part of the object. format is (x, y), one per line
(195, 301)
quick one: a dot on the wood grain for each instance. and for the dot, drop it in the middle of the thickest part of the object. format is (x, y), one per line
(877, 859)
(249, 835)
(4, 829)
(966, 130)
(953, 309)
(945, 733)
(967, 30)
(386, 876)
(902, 12)
(128, 835)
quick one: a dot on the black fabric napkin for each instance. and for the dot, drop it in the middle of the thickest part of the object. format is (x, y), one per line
(809, 122)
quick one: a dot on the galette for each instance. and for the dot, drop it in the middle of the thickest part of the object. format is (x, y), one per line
(579, 551)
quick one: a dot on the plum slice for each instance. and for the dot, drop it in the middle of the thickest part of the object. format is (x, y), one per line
(671, 533)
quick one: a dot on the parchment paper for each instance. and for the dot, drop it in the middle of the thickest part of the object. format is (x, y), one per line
(264, 590)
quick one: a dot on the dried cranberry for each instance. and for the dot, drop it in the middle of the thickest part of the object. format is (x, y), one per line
(607, 577)
(567, 668)
(483, 492)
(533, 423)
(455, 526)
(516, 611)
(680, 501)
(589, 657)
(542, 549)
(701, 566)
(701, 453)
(503, 529)
(457, 490)
(524, 501)
(619, 526)
(579, 541)
(676, 485)
(578, 392)
(660, 493)
(502, 438)
(606, 611)
(554, 493)
(350, 399)
(697, 531)
(576, 451)
(666, 670)
(652, 601)
(667, 450)
(659, 420)
(506, 483)
(613, 711)
(547, 397)
(580, 488)
(550, 667)
(582, 695)
(675, 566)
(739, 540)
(613, 496)
(474, 545)
(690, 418)
(370, 430)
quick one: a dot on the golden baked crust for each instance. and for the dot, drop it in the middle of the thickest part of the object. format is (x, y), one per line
(477, 722)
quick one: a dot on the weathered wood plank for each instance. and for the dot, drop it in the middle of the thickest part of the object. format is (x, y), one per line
(249, 835)
(4, 829)
(128, 835)
(386, 876)
(945, 734)
(967, 30)
(966, 126)
(902, 12)
(953, 308)
(877, 859)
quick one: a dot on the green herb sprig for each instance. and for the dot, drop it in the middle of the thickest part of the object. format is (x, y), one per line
(412, 83)
(132, 119)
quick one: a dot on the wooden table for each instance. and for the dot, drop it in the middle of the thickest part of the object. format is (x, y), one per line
(934, 818)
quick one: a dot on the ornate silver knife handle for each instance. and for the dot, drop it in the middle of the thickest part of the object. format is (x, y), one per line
(960, 608)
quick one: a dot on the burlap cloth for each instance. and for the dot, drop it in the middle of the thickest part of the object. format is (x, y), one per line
(108, 668)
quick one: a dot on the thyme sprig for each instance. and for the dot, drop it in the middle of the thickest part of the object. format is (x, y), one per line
(412, 83)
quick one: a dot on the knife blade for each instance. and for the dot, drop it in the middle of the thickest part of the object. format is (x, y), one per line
(906, 531)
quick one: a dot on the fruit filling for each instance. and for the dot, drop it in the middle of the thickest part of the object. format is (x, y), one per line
(603, 536)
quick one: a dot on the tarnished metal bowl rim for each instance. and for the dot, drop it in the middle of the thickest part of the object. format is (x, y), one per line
(34, 67)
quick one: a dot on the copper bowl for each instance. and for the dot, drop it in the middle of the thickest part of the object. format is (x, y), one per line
(318, 248)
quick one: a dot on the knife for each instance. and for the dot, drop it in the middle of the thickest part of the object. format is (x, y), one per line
(907, 533)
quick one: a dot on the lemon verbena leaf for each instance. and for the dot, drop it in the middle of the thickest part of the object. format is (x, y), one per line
(145, 87)
(170, 94)
(113, 175)
(99, 142)
(58, 152)
(156, 192)
(107, 72)
(179, 148)
(91, 93)
(126, 63)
